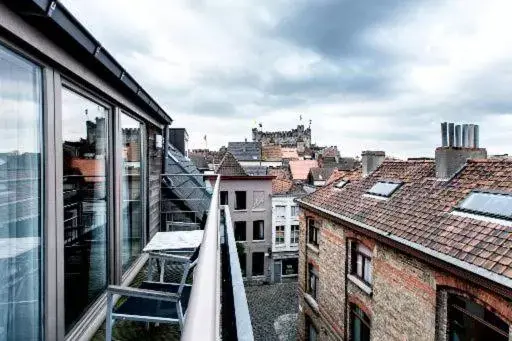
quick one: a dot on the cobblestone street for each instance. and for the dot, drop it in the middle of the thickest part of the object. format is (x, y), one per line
(273, 307)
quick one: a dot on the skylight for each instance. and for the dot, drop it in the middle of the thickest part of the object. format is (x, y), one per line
(497, 205)
(341, 184)
(384, 189)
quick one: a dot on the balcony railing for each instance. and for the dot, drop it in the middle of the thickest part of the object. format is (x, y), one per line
(217, 307)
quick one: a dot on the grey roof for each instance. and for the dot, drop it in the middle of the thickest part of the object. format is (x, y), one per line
(320, 174)
(344, 163)
(229, 166)
(198, 160)
(245, 151)
(255, 170)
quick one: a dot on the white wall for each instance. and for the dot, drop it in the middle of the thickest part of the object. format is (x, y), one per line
(288, 221)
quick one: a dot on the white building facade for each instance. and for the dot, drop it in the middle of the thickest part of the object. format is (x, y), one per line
(285, 238)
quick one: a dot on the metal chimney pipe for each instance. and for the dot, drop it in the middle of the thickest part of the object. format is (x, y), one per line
(471, 136)
(451, 134)
(444, 134)
(465, 135)
(458, 135)
(477, 136)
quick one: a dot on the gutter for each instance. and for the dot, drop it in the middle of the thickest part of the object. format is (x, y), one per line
(64, 21)
(504, 286)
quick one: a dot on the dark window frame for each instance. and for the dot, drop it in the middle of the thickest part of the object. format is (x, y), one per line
(397, 183)
(255, 225)
(313, 278)
(312, 232)
(483, 213)
(357, 313)
(238, 203)
(262, 264)
(283, 235)
(239, 223)
(354, 252)
(224, 197)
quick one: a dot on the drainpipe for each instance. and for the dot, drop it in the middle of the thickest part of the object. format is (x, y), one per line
(346, 290)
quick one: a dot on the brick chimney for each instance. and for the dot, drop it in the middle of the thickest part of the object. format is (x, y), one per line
(371, 160)
(459, 143)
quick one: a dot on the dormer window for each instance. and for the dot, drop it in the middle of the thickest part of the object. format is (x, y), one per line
(341, 183)
(384, 188)
(491, 204)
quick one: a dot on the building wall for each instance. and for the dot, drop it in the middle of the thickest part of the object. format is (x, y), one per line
(155, 180)
(406, 294)
(249, 216)
(284, 138)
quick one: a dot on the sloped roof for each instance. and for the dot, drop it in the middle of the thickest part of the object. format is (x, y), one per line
(255, 170)
(198, 160)
(300, 168)
(245, 151)
(320, 174)
(289, 153)
(229, 166)
(271, 153)
(353, 174)
(330, 151)
(420, 211)
(280, 173)
(287, 187)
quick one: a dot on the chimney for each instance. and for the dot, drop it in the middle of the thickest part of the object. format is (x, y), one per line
(179, 139)
(371, 160)
(451, 157)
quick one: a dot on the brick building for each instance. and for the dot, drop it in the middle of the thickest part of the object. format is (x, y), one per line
(414, 250)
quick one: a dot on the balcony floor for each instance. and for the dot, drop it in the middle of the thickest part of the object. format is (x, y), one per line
(137, 331)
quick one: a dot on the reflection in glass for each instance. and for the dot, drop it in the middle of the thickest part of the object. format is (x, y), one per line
(85, 137)
(131, 227)
(20, 198)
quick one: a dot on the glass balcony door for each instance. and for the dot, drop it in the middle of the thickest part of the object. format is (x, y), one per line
(85, 136)
(132, 215)
(20, 198)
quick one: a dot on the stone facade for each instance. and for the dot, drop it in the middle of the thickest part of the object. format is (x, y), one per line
(406, 300)
(299, 137)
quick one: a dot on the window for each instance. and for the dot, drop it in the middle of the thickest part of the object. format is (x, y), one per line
(240, 200)
(85, 136)
(359, 324)
(341, 184)
(224, 198)
(281, 212)
(312, 281)
(258, 263)
(497, 205)
(258, 228)
(290, 267)
(295, 211)
(294, 235)
(131, 190)
(21, 273)
(258, 200)
(312, 232)
(279, 234)
(240, 231)
(311, 332)
(361, 262)
(469, 321)
(384, 189)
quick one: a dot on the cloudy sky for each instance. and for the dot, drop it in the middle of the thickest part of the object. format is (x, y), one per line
(378, 74)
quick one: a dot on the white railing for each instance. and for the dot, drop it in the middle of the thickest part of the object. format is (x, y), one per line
(202, 321)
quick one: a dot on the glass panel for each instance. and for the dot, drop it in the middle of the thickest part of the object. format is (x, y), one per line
(489, 203)
(20, 198)
(368, 270)
(240, 230)
(258, 200)
(290, 266)
(131, 190)
(85, 136)
(258, 262)
(281, 211)
(295, 234)
(279, 234)
(341, 184)
(359, 270)
(258, 230)
(295, 211)
(384, 189)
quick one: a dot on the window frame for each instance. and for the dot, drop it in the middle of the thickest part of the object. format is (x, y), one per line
(312, 278)
(359, 250)
(459, 207)
(221, 197)
(262, 224)
(312, 238)
(280, 217)
(294, 235)
(262, 264)
(278, 227)
(292, 208)
(398, 184)
(236, 207)
(355, 312)
(239, 223)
